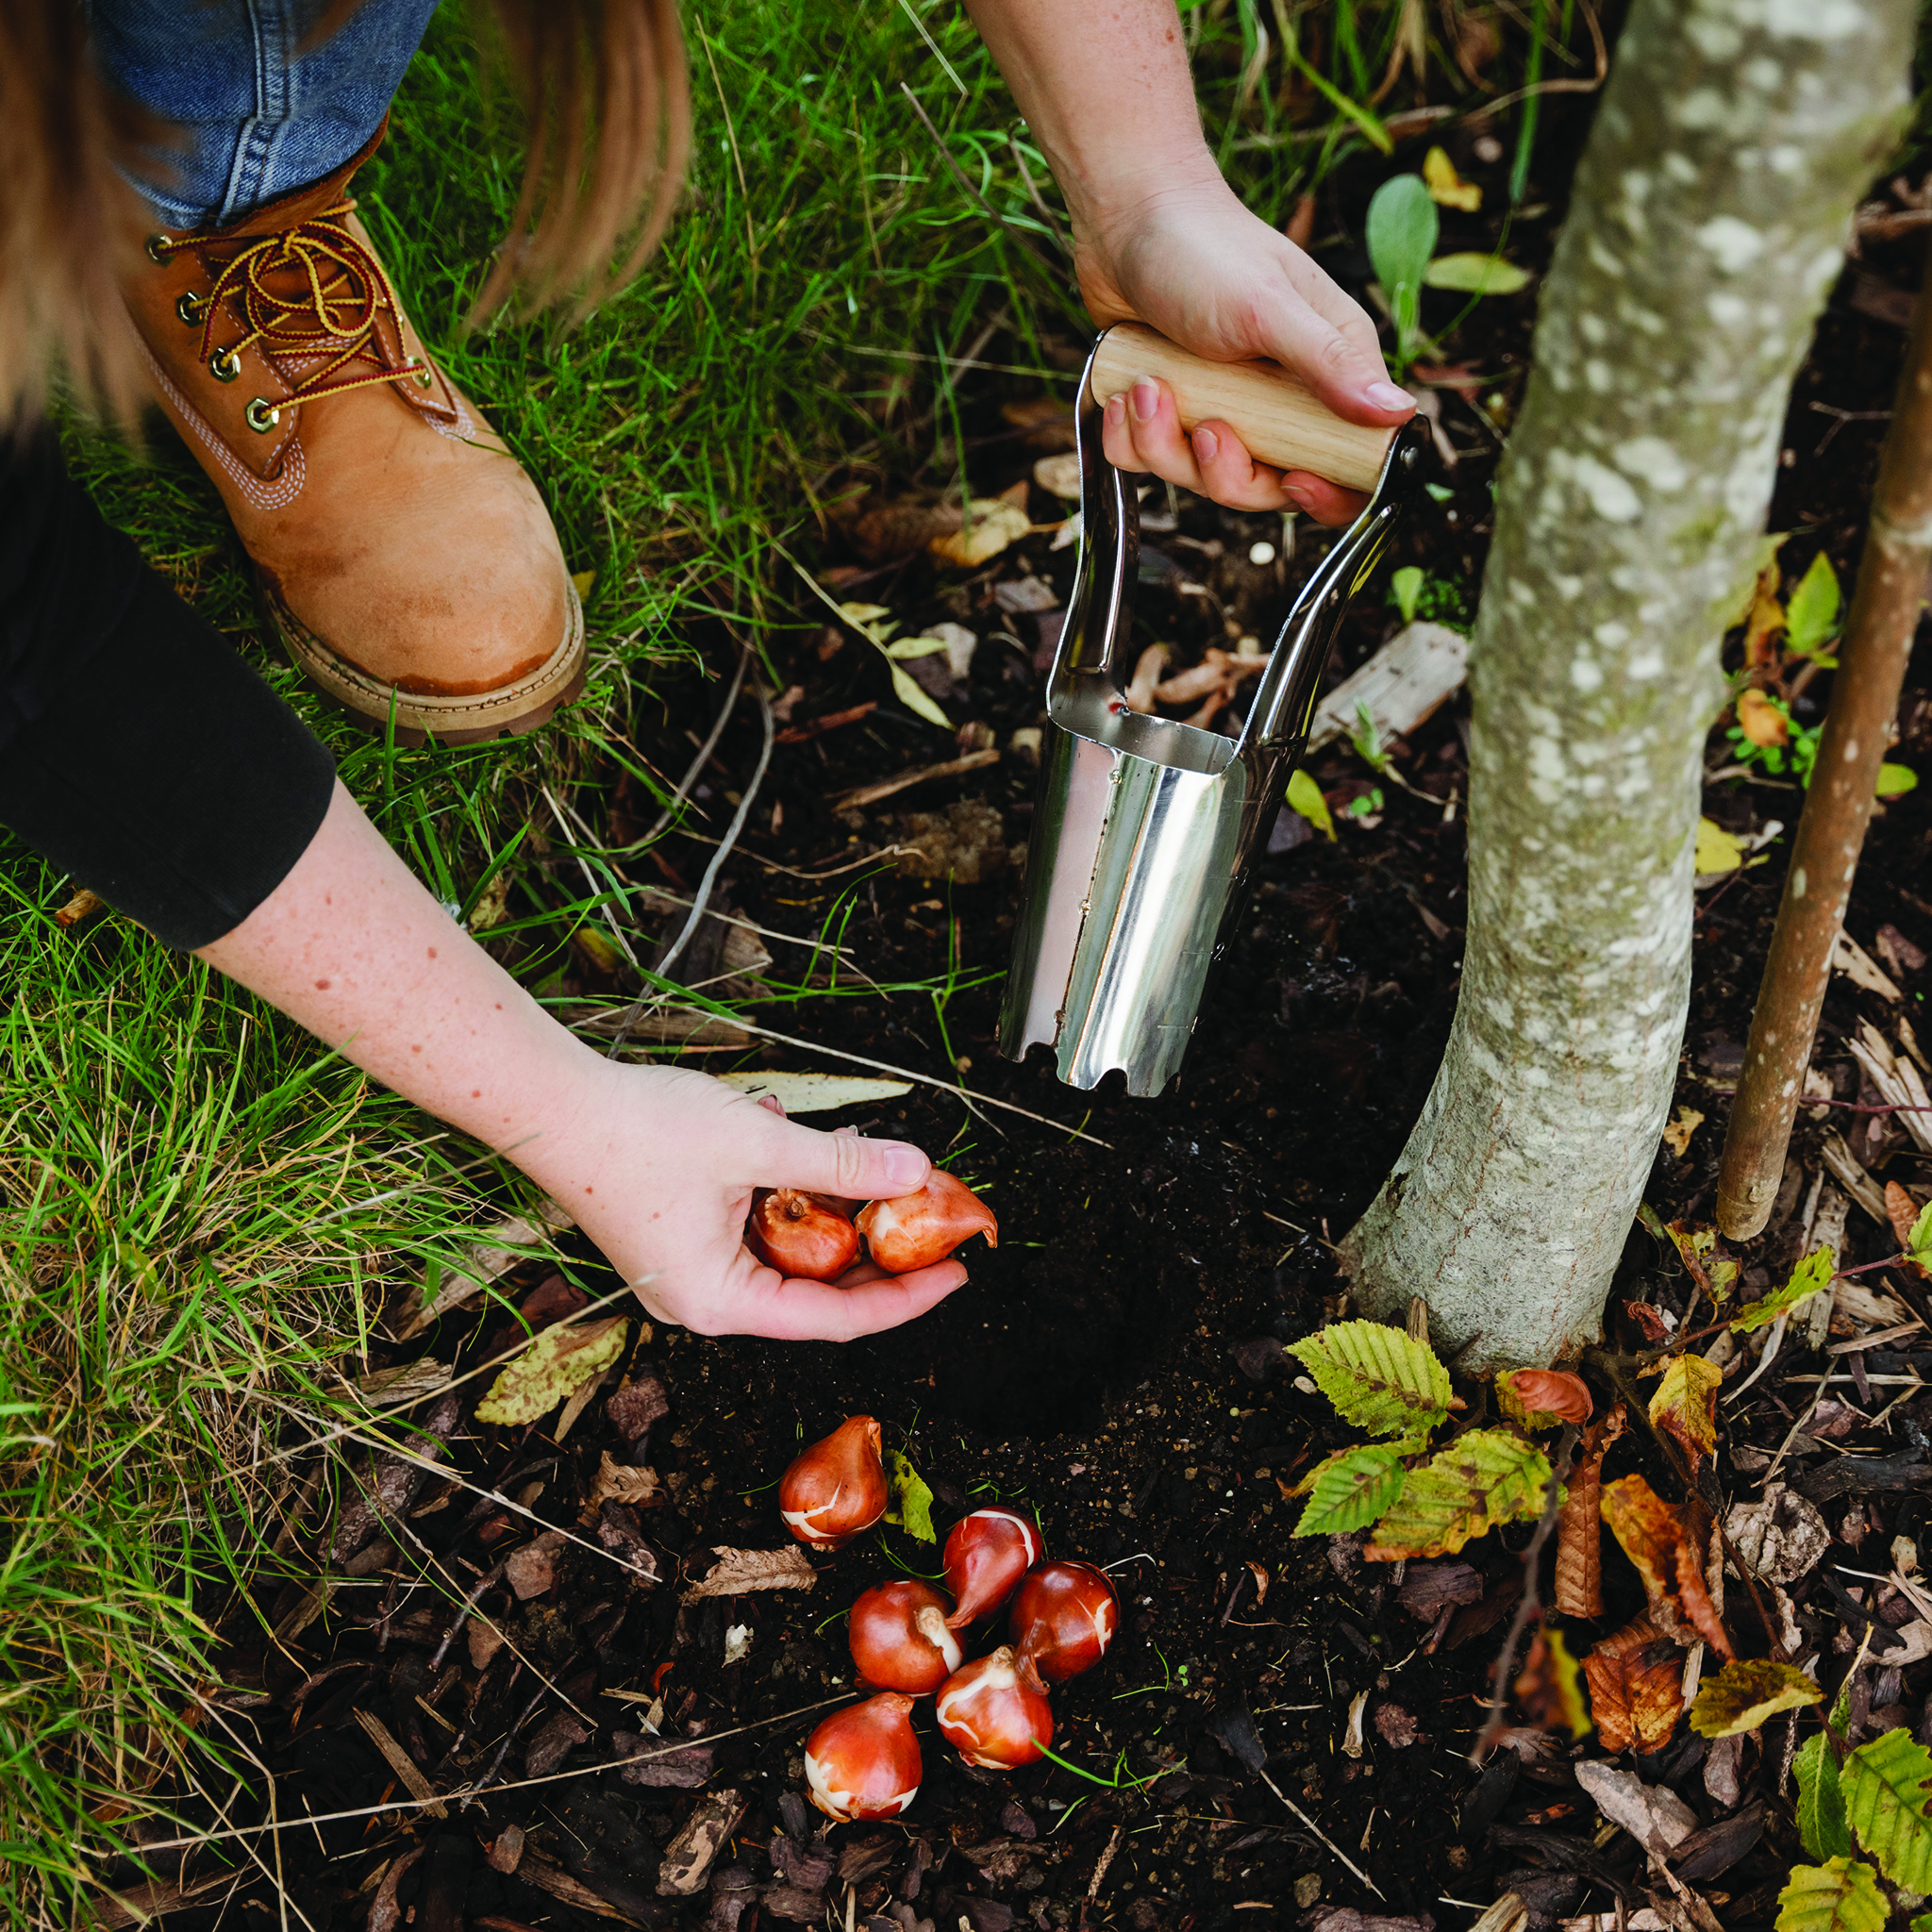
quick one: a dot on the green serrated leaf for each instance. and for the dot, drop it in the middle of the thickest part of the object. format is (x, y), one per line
(1475, 274)
(1822, 1827)
(1483, 1478)
(1837, 1896)
(1813, 1273)
(1305, 796)
(1351, 1488)
(551, 1370)
(911, 1508)
(1812, 616)
(1743, 1694)
(1377, 1377)
(916, 700)
(1923, 1923)
(1884, 1786)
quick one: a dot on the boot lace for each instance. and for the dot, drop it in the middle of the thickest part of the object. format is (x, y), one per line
(308, 293)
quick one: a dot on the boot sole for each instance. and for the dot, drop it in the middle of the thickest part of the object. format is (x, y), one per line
(475, 719)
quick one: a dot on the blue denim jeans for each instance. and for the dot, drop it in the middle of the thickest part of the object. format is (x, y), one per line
(262, 109)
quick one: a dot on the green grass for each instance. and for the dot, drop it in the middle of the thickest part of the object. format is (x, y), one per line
(204, 1210)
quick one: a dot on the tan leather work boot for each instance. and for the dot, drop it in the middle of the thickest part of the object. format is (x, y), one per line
(403, 557)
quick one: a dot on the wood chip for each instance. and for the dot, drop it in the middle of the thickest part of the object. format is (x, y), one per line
(554, 1879)
(403, 1764)
(532, 1570)
(948, 768)
(1845, 1168)
(739, 1572)
(1419, 670)
(1863, 970)
(688, 1857)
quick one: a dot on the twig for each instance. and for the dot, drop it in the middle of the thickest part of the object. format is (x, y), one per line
(701, 898)
(554, 1777)
(1531, 1600)
(948, 768)
(1831, 829)
(1335, 1851)
(1840, 417)
(859, 1059)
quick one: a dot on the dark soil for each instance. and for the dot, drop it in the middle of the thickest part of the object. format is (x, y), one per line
(1116, 1365)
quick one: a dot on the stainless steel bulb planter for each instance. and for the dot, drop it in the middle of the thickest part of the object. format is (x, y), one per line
(1137, 865)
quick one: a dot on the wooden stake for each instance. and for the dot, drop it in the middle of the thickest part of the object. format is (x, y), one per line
(1824, 853)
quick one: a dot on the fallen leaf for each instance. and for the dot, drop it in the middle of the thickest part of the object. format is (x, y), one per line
(815, 1093)
(1718, 851)
(1475, 274)
(555, 1365)
(1904, 1214)
(1543, 1398)
(1651, 1325)
(1811, 618)
(988, 528)
(1579, 1525)
(1759, 719)
(615, 1482)
(1305, 796)
(1677, 1134)
(1447, 189)
(1685, 1405)
(737, 1643)
(1548, 1690)
(1745, 1693)
(532, 1570)
(1895, 781)
(1654, 1815)
(1059, 475)
(1808, 1278)
(1780, 1537)
(1764, 621)
(1840, 1895)
(739, 1572)
(912, 1506)
(1653, 1536)
(1636, 1678)
(1396, 1727)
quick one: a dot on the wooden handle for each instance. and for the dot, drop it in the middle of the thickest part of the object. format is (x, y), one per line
(1277, 416)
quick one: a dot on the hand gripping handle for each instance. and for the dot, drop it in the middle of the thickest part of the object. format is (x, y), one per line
(1279, 418)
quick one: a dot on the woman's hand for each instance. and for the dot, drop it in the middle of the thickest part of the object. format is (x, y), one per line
(662, 1163)
(1193, 264)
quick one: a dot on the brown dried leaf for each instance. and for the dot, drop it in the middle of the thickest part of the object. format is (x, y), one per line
(616, 1483)
(1541, 1398)
(1902, 1212)
(1636, 1675)
(1669, 1558)
(1699, 1611)
(1547, 1689)
(739, 1572)
(1761, 721)
(1766, 620)
(1651, 1325)
(1579, 1527)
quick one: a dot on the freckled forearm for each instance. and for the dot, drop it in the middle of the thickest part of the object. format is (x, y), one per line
(352, 946)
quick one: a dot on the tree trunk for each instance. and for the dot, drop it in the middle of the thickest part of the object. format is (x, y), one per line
(1707, 224)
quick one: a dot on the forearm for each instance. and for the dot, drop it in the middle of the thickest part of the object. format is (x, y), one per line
(352, 946)
(1106, 91)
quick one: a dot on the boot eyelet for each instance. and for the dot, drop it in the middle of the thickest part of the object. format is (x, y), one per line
(263, 415)
(426, 378)
(186, 309)
(159, 248)
(224, 365)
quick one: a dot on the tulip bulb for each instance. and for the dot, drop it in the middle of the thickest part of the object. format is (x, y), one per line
(1064, 1618)
(837, 1488)
(863, 1762)
(986, 1554)
(900, 1640)
(994, 1711)
(918, 1229)
(802, 1235)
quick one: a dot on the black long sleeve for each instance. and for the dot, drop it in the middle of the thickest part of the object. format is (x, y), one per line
(138, 752)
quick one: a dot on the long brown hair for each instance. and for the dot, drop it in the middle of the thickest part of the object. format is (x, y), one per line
(602, 84)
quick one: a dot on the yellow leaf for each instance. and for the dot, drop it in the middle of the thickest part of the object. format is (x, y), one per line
(1743, 1694)
(1717, 850)
(991, 527)
(1678, 1135)
(583, 580)
(1447, 189)
(1895, 781)
(552, 1370)
(1305, 796)
(1685, 1405)
(916, 700)
(1761, 721)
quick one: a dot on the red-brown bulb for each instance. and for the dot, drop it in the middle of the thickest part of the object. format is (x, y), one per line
(837, 1488)
(986, 1554)
(1064, 1618)
(802, 1235)
(900, 1640)
(918, 1229)
(994, 1711)
(863, 1762)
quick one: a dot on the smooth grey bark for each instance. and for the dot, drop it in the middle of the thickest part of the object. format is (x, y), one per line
(1707, 221)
